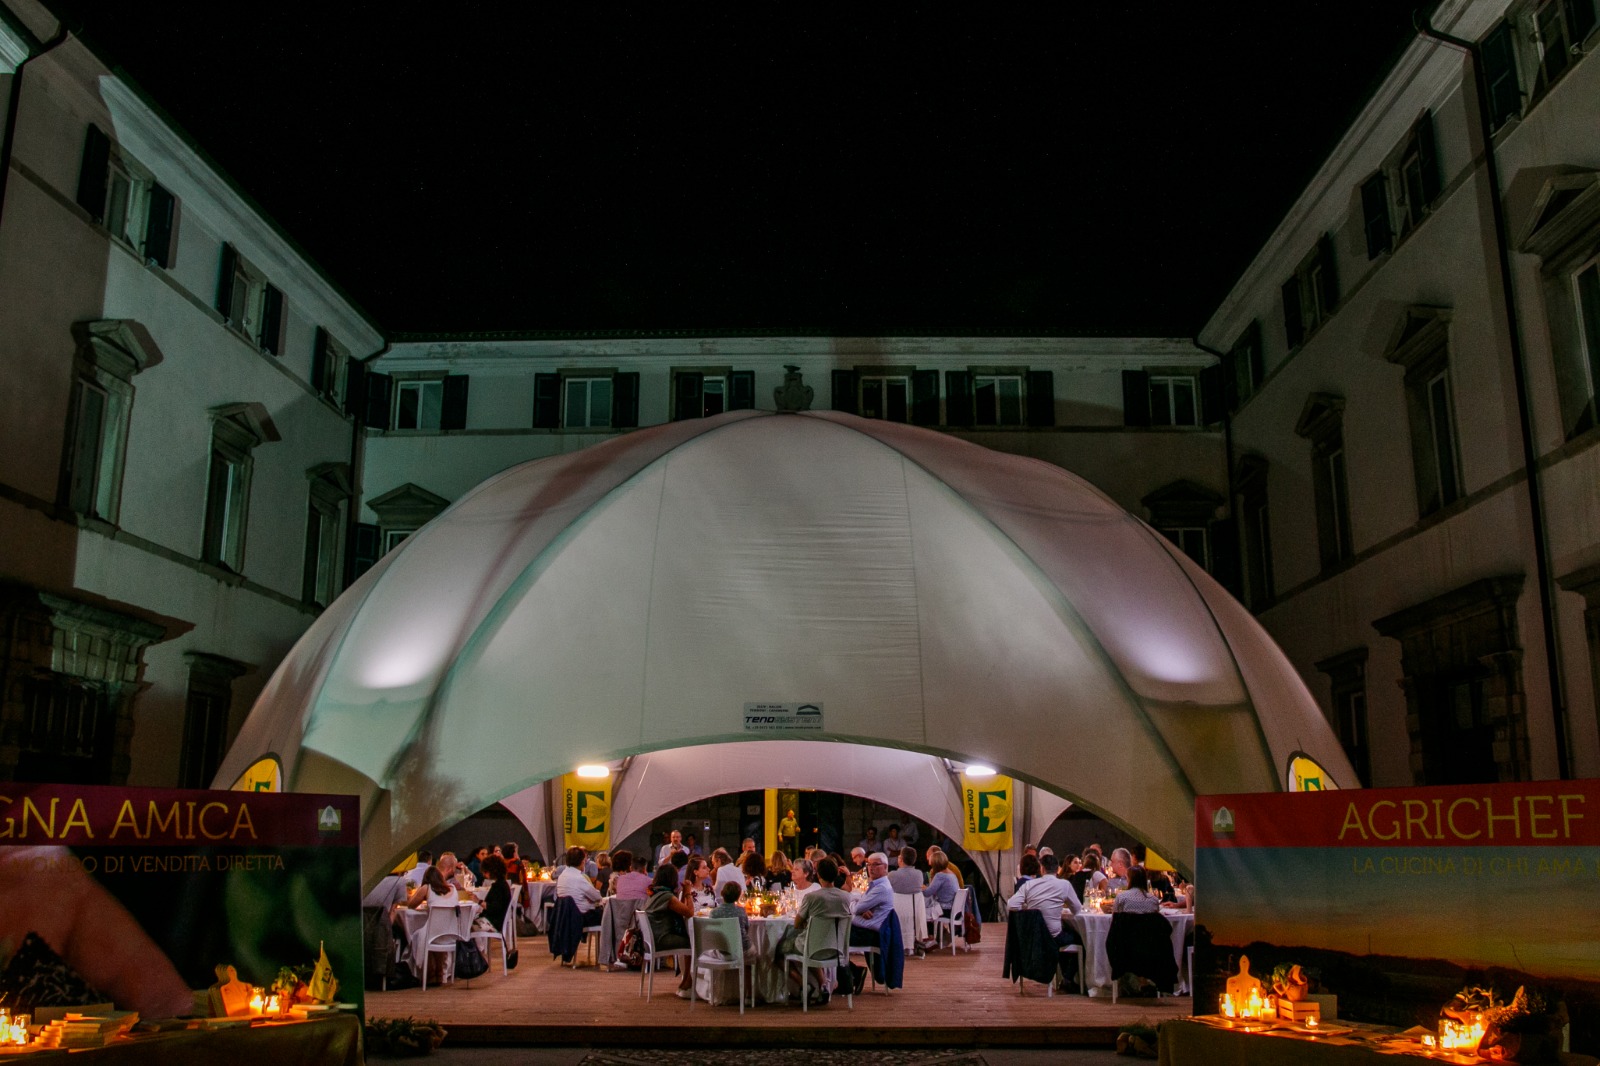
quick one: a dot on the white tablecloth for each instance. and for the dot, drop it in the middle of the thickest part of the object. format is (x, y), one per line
(416, 926)
(1094, 928)
(538, 893)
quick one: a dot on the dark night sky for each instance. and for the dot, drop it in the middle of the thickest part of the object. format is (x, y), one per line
(706, 167)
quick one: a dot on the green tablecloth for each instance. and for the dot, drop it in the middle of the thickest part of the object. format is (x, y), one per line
(331, 1041)
(1186, 1042)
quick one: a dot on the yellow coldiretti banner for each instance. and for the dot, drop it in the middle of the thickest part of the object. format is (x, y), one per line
(586, 811)
(986, 813)
(263, 775)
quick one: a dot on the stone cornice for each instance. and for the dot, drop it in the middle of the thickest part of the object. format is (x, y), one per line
(1095, 352)
(207, 194)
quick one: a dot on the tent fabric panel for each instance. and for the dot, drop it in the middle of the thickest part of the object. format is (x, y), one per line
(397, 654)
(1287, 714)
(1001, 645)
(1163, 642)
(759, 595)
(662, 781)
(555, 678)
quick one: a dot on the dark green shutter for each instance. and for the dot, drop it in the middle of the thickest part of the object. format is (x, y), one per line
(958, 398)
(375, 411)
(93, 172)
(1329, 276)
(369, 548)
(1293, 325)
(846, 396)
(160, 227)
(547, 401)
(225, 278)
(925, 397)
(319, 362)
(1580, 21)
(1135, 398)
(355, 388)
(625, 400)
(1224, 536)
(1375, 215)
(1212, 405)
(1428, 161)
(1500, 74)
(742, 390)
(688, 395)
(453, 409)
(271, 339)
(1041, 398)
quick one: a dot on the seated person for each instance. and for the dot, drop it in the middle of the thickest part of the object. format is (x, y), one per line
(574, 884)
(667, 915)
(754, 868)
(942, 885)
(1161, 887)
(514, 872)
(498, 901)
(1137, 898)
(906, 877)
(724, 870)
(695, 885)
(628, 881)
(804, 874)
(779, 874)
(729, 908)
(1051, 896)
(1089, 877)
(1028, 869)
(822, 901)
(873, 909)
(842, 878)
(1121, 860)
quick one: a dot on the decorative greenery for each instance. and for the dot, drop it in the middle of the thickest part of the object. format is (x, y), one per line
(403, 1036)
(290, 978)
(1139, 1040)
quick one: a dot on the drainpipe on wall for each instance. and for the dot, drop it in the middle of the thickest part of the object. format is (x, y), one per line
(14, 100)
(1228, 509)
(1530, 458)
(358, 458)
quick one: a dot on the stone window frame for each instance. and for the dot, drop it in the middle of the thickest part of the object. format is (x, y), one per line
(1420, 344)
(1321, 423)
(1255, 533)
(237, 429)
(329, 489)
(1563, 233)
(207, 717)
(1467, 634)
(1352, 720)
(109, 353)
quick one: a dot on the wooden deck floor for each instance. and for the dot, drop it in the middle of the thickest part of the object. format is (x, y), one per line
(947, 1002)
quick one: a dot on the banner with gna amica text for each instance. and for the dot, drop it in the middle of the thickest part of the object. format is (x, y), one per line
(136, 887)
(1402, 895)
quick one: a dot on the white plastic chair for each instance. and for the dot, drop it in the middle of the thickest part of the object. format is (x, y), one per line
(507, 936)
(913, 912)
(955, 922)
(647, 972)
(723, 936)
(444, 930)
(824, 942)
(866, 951)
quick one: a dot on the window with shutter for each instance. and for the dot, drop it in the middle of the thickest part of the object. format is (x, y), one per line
(109, 353)
(742, 390)
(925, 397)
(1309, 298)
(688, 398)
(1041, 398)
(625, 400)
(453, 413)
(1375, 215)
(844, 392)
(546, 401)
(1135, 398)
(958, 409)
(997, 399)
(1499, 55)
(269, 335)
(586, 402)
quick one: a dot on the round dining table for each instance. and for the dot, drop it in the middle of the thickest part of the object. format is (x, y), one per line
(1093, 927)
(415, 921)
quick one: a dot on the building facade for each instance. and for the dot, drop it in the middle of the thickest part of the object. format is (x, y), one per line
(175, 481)
(1383, 438)
(1412, 362)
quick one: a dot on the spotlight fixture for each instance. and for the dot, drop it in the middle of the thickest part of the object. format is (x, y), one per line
(594, 770)
(977, 769)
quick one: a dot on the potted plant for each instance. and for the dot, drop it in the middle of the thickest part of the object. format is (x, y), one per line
(403, 1037)
(1525, 1030)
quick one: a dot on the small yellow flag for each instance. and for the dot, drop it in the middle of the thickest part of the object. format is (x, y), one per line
(323, 986)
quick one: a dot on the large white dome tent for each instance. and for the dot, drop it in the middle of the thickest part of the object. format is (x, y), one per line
(927, 593)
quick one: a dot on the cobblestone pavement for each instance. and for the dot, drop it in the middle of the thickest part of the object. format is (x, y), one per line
(523, 1056)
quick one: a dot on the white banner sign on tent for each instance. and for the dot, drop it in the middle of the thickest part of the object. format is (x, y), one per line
(782, 717)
